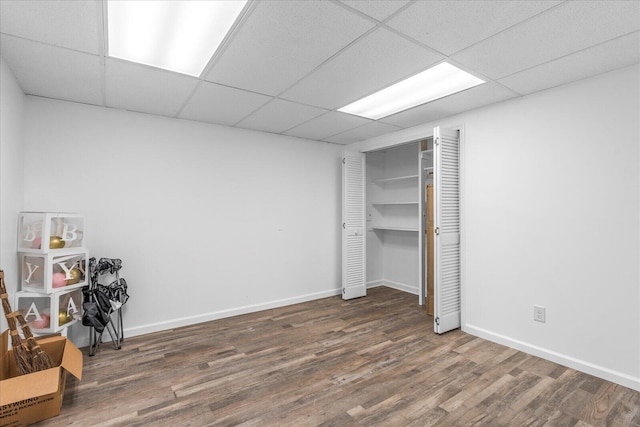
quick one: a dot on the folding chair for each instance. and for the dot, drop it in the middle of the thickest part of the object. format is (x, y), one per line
(103, 303)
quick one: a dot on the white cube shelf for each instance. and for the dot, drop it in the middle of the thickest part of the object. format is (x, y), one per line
(49, 313)
(44, 232)
(54, 272)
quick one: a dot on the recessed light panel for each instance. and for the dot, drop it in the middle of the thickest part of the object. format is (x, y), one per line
(180, 36)
(429, 85)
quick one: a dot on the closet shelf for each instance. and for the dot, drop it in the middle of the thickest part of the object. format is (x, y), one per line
(385, 227)
(394, 203)
(395, 178)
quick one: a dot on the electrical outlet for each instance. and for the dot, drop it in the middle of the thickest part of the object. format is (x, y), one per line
(539, 313)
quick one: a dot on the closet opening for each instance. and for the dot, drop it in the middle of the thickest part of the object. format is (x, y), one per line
(393, 218)
(401, 223)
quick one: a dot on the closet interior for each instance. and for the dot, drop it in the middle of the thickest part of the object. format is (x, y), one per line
(396, 182)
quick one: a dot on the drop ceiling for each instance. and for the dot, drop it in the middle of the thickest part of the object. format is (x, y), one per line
(289, 65)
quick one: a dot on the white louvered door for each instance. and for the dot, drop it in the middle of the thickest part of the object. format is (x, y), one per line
(353, 225)
(447, 230)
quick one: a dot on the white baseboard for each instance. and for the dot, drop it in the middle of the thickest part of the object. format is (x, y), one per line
(400, 286)
(206, 317)
(375, 284)
(571, 362)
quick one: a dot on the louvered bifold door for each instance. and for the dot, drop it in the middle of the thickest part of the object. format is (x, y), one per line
(353, 226)
(447, 230)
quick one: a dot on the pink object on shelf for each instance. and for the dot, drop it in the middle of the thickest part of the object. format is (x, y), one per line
(36, 242)
(58, 280)
(43, 323)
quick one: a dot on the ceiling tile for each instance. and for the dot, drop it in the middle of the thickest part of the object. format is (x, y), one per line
(71, 24)
(469, 99)
(282, 41)
(378, 10)
(454, 25)
(279, 116)
(373, 63)
(323, 54)
(363, 132)
(136, 87)
(211, 103)
(617, 53)
(53, 72)
(327, 125)
(570, 27)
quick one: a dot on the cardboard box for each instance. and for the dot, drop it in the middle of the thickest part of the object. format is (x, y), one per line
(426, 144)
(26, 399)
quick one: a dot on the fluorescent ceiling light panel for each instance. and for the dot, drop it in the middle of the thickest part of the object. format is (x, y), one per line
(180, 36)
(429, 85)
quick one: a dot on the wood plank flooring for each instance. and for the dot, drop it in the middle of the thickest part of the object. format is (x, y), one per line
(373, 361)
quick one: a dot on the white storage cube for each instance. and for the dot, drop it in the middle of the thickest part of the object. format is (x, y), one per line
(44, 232)
(54, 272)
(49, 313)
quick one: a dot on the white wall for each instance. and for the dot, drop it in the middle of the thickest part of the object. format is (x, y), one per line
(213, 221)
(209, 221)
(552, 217)
(11, 173)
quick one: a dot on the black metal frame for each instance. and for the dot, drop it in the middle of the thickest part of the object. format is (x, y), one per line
(111, 312)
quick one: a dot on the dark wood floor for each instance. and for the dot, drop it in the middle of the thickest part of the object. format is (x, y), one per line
(373, 361)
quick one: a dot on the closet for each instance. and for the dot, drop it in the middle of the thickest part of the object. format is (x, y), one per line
(392, 218)
(386, 233)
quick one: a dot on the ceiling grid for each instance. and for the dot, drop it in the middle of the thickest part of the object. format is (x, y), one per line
(287, 66)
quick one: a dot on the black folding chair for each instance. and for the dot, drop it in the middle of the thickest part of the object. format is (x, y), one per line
(104, 302)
